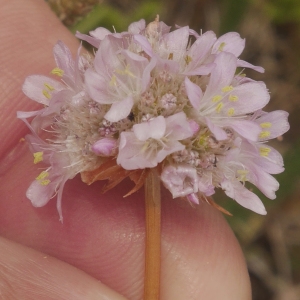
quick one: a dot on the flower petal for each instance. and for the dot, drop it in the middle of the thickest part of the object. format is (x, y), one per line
(244, 64)
(230, 42)
(273, 124)
(244, 197)
(194, 93)
(247, 129)
(119, 110)
(154, 128)
(39, 88)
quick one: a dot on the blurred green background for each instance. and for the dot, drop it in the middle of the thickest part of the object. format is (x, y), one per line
(272, 30)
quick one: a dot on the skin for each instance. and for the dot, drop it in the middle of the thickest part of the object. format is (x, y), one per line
(98, 252)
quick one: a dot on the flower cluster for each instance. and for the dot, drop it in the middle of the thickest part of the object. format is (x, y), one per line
(150, 98)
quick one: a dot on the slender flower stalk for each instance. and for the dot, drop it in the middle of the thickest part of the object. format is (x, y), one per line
(153, 244)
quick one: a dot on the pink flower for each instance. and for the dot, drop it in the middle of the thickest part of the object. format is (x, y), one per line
(119, 78)
(225, 103)
(150, 142)
(244, 197)
(150, 96)
(181, 180)
(52, 180)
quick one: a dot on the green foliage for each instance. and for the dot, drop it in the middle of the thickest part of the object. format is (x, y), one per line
(283, 11)
(233, 12)
(106, 15)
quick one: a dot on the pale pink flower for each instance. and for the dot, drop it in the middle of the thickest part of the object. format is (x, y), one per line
(150, 142)
(225, 104)
(152, 97)
(243, 196)
(119, 78)
(181, 180)
(49, 182)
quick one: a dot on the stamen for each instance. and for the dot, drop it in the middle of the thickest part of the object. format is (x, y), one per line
(264, 134)
(42, 178)
(49, 87)
(264, 151)
(265, 125)
(221, 47)
(46, 94)
(44, 182)
(219, 107)
(113, 81)
(230, 111)
(57, 71)
(38, 157)
(187, 59)
(242, 175)
(233, 98)
(216, 98)
(42, 175)
(227, 88)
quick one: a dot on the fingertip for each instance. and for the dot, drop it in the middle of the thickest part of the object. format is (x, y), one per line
(201, 257)
(29, 274)
(28, 32)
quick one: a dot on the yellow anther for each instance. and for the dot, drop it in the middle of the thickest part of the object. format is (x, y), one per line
(187, 59)
(202, 139)
(44, 182)
(46, 94)
(221, 47)
(216, 98)
(264, 134)
(233, 98)
(43, 175)
(265, 125)
(242, 175)
(42, 178)
(219, 107)
(38, 157)
(49, 87)
(242, 172)
(57, 71)
(125, 71)
(264, 151)
(145, 147)
(227, 88)
(230, 111)
(113, 81)
(170, 57)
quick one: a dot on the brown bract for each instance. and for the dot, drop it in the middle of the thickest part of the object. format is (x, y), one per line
(114, 173)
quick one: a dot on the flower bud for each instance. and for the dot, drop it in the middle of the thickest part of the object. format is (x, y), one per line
(105, 147)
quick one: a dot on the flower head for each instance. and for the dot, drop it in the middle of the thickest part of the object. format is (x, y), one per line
(150, 98)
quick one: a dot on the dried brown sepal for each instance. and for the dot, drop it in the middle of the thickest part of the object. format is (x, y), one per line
(115, 179)
(114, 173)
(138, 177)
(211, 202)
(105, 171)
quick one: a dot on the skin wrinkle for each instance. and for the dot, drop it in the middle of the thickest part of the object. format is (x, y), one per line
(38, 275)
(39, 47)
(180, 255)
(84, 240)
